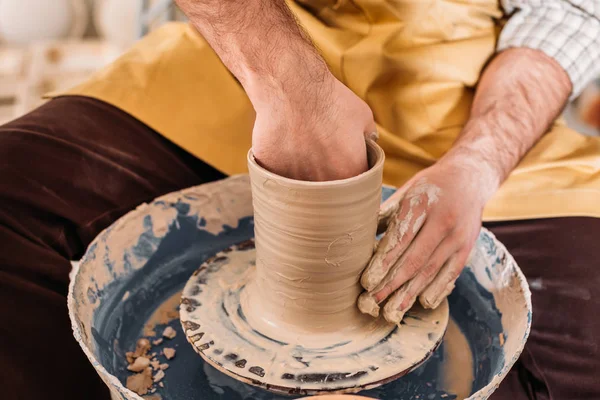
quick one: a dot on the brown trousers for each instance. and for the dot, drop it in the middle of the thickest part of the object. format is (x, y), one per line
(75, 165)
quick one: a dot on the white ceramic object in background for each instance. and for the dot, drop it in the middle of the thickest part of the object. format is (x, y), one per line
(26, 21)
(123, 22)
(117, 20)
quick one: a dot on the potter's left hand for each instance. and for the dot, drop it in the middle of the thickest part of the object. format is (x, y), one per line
(433, 222)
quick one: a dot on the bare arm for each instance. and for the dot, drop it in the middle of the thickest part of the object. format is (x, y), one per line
(258, 41)
(519, 95)
(308, 125)
(548, 51)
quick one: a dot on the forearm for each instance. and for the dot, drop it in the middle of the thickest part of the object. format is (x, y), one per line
(520, 94)
(259, 41)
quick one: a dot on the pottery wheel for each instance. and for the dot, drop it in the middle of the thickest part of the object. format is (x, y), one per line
(215, 324)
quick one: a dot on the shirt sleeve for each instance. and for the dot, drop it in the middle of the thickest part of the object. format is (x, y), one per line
(566, 30)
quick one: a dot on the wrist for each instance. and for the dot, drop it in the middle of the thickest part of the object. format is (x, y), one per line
(480, 161)
(300, 77)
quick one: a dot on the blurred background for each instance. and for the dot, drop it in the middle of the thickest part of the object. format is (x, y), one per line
(52, 45)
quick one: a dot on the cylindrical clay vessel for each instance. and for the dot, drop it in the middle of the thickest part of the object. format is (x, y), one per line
(313, 240)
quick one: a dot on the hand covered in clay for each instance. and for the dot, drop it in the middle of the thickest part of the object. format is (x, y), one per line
(313, 131)
(432, 224)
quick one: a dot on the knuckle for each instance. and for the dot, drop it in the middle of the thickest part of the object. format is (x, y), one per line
(413, 264)
(448, 221)
(430, 271)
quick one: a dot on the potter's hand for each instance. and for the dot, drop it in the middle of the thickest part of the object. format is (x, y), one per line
(313, 131)
(439, 215)
(436, 216)
(308, 125)
(434, 221)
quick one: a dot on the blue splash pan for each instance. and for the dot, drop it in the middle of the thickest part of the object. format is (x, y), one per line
(127, 286)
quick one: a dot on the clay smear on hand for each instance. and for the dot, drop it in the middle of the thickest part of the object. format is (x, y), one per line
(388, 260)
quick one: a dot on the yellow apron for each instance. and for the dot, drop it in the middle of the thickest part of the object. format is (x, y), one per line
(414, 62)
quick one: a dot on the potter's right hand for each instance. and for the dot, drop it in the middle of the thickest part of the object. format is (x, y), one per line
(308, 126)
(313, 129)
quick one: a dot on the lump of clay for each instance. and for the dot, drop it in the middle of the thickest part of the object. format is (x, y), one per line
(169, 332)
(139, 364)
(142, 347)
(169, 352)
(159, 375)
(155, 364)
(140, 383)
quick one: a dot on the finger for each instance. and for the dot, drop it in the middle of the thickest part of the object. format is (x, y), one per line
(401, 231)
(385, 216)
(417, 256)
(376, 270)
(443, 284)
(404, 297)
(367, 304)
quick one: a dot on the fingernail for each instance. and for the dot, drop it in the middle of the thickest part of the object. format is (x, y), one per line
(368, 305)
(374, 136)
(435, 301)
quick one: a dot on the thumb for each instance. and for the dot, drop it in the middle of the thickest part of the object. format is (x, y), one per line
(389, 207)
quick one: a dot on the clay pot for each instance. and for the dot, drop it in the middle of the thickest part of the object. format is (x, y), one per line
(313, 240)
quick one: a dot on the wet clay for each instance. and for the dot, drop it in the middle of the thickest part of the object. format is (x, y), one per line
(280, 311)
(378, 273)
(140, 383)
(167, 312)
(313, 240)
(123, 254)
(148, 370)
(351, 359)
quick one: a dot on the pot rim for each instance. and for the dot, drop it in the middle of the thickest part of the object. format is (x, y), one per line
(374, 169)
